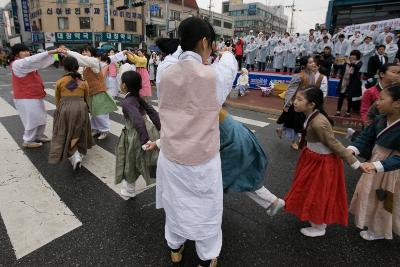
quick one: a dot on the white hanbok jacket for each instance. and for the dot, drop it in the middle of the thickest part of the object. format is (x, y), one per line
(278, 56)
(31, 111)
(195, 184)
(391, 51)
(367, 51)
(292, 51)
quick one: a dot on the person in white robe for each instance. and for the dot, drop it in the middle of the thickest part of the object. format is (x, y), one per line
(373, 33)
(367, 50)
(278, 57)
(382, 36)
(309, 47)
(30, 103)
(273, 42)
(391, 48)
(191, 194)
(324, 43)
(250, 53)
(262, 53)
(292, 53)
(355, 41)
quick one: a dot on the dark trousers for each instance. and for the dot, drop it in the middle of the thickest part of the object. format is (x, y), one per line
(261, 66)
(250, 67)
(338, 69)
(342, 97)
(240, 61)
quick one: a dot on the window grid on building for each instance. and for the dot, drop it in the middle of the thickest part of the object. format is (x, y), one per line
(84, 23)
(63, 23)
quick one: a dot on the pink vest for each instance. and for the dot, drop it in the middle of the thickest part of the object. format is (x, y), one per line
(189, 113)
(112, 70)
(28, 87)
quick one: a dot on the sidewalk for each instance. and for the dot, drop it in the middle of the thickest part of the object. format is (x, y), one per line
(272, 105)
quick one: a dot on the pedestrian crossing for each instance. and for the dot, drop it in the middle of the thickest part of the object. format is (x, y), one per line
(32, 211)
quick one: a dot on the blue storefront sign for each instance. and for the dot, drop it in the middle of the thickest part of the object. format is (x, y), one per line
(264, 79)
(107, 12)
(252, 9)
(154, 8)
(25, 15)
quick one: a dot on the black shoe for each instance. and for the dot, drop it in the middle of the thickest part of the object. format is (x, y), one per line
(209, 263)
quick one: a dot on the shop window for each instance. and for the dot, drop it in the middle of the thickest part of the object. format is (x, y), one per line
(84, 23)
(175, 15)
(130, 26)
(227, 25)
(217, 22)
(63, 23)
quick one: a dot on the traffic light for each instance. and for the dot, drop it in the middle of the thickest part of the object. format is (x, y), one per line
(151, 30)
(130, 3)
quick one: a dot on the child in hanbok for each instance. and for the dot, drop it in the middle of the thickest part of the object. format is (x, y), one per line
(132, 157)
(153, 63)
(112, 73)
(376, 200)
(318, 192)
(140, 62)
(243, 81)
(100, 104)
(71, 128)
(29, 94)
(244, 163)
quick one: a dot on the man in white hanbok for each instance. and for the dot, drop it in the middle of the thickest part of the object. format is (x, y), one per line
(355, 41)
(391, 48)
(29, 94)
(382, 36)
(189, 175)
(309, 47)
(324, 43)
(367, 50)
(373, 33)
(292, 52)
(250, 53)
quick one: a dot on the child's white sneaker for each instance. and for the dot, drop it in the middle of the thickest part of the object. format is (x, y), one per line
(276, 207)
(128, 190)
(370, 236)
(349, 133)
(314, 231)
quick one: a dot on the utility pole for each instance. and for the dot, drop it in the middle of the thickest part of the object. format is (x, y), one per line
(292, 7)
(91, 24)
(166, 17)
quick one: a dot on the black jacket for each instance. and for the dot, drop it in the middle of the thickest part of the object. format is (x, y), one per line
(374, 64)
(326, 62)
(355, 84)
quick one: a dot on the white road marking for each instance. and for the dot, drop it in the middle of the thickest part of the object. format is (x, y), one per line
(101, 163)
(251, 122)
(6, 109)
(32, 212)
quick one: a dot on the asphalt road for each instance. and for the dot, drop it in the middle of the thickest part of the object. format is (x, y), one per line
(116, 232)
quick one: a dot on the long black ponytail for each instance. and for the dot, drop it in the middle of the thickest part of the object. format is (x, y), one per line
(314, 95)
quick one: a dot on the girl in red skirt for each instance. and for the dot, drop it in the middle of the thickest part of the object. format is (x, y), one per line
(318, 193)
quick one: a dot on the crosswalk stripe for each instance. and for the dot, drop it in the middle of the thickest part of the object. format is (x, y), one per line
(101, 163)
(7, 109)
(240, 119)
(251, 122)
(32, 212)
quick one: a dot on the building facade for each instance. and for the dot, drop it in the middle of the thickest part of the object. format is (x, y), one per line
(163, 17)
(222, 23)
(255, 16)
(343, 13)
(43, 24)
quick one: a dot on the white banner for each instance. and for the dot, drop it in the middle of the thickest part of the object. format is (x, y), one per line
(394, 23)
